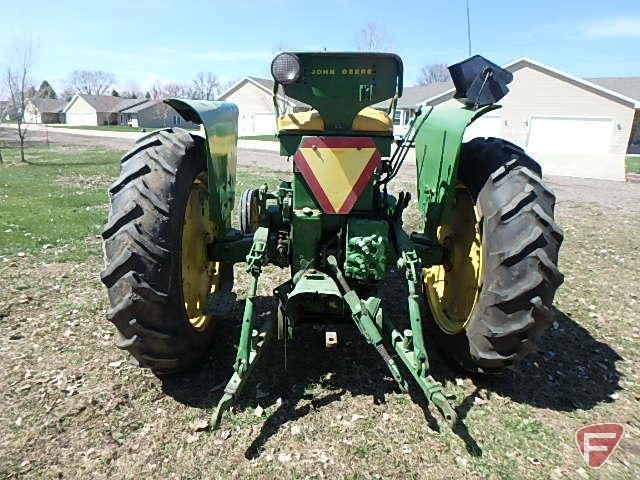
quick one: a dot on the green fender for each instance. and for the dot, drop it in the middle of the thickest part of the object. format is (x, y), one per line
(438, 142)
(220, 122)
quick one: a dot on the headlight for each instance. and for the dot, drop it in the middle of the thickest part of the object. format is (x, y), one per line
(285, 68)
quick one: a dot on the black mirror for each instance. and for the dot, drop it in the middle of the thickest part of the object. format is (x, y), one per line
(479, 82)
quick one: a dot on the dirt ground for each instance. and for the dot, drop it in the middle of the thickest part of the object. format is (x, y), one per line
(71, 406)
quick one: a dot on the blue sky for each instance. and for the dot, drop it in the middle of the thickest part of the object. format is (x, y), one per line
(141, 41)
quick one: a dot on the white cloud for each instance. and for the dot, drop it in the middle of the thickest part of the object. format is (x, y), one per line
(614, 27)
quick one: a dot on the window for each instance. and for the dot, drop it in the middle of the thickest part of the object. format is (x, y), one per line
(397, 117)
(177, 120)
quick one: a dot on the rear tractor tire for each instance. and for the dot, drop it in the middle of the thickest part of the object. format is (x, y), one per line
(249, 212)
(491, 299)
(157, 272)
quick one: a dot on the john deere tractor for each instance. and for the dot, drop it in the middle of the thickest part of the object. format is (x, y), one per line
(480, 275)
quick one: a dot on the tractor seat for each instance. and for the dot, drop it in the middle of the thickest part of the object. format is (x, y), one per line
(368, 120)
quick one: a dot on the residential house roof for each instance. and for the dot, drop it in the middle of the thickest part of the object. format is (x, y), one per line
(141, 106)
(107, 103)
(49, 105)
(629, 86)
(412, 97)
(262, 83)
(586, 84)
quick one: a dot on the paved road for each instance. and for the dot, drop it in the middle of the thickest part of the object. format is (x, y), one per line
(252, 154)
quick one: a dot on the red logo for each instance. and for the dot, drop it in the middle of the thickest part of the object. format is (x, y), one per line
(598, 441)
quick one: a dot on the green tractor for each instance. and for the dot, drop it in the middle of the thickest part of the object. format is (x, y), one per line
(480, 275)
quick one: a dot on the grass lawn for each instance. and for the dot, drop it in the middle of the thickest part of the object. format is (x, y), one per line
(56, 205)
(72, 407)
(59, 202)
(266, 138)
(633, 163)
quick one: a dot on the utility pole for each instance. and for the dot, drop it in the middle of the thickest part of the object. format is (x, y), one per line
(468, 28)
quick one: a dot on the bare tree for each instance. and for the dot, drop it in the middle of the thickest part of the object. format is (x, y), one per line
(67, 93)
(227, 85)
(89, 82)
(176, 89)
(3, 114)
(132, 90)
(156, 91)
(373, 38)
(4, 111)
(18, 84)
(161, 90)
(205, 86)
(434, 73)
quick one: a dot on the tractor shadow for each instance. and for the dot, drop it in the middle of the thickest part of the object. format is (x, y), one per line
(571, 371)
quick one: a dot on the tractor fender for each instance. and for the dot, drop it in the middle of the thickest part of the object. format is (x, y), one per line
(438, 142)
(219, 120)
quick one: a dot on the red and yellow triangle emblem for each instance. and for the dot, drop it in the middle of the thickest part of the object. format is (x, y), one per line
(337, 169)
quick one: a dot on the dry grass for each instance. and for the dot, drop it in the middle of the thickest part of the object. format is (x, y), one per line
(72, 407)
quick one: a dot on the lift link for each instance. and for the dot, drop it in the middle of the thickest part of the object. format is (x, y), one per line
(410, 347)
(412, 353)
(410, 262)
(252, 341)
(367, 326)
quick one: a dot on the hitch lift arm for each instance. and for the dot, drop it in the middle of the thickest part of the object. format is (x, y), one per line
(252, 341)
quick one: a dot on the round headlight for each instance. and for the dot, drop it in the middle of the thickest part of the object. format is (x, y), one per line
(285, 68)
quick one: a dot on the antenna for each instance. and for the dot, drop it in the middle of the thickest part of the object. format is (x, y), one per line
(468, 28)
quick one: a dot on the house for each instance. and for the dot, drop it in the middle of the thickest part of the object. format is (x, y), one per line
(571, 126)
(44, 110)
(254, 98)
(152, 114)
(4, 110)
(412, 98)
(7, 111)
(97, 109)
(630, 87)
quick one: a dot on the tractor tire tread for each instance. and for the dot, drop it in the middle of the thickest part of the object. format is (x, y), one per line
(142, 244)
(520, 254)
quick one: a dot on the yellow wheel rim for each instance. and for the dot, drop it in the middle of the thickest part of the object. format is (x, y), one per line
(200, 277)
(452, 288)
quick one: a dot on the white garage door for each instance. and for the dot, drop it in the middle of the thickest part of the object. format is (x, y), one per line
(264, 124)
(575, 146)
(578, 135)
(487, 126)
(81, 119)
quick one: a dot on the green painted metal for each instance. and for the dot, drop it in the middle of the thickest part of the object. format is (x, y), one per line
(326, 252)
(259, 340)
(251, 340)
(255, 259)
(306, 232)
(366, 249)
(410, 262)
(220, 123)
(339, 85)
(314, 296)
(437, 145)
(365, 320)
